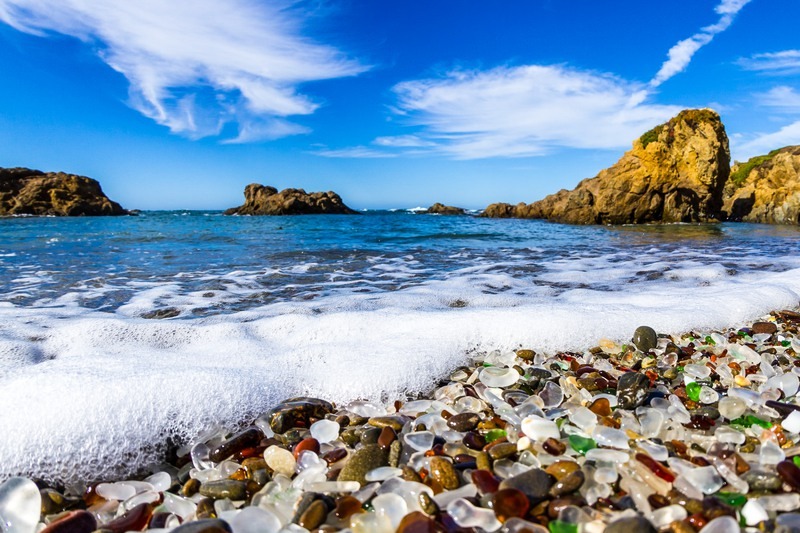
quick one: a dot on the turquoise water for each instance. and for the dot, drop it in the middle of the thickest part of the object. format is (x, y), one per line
(376, 306)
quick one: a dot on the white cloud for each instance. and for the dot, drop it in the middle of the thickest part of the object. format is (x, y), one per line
(403, 141)
(354, 152)
(526, 111)
(195, 66)
(761, 144)
(785, 98)
(779, 63)
(680, 55)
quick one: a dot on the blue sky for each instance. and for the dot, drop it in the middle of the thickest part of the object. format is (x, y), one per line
(391, 104)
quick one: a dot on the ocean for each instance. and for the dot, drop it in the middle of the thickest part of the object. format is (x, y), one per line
(117, 334)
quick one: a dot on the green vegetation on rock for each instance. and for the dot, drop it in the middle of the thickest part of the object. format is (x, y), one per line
(743, 170)
(651, 135)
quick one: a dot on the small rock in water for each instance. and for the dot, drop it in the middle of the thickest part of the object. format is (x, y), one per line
(297, 412)
(20, 505)
(645, 338)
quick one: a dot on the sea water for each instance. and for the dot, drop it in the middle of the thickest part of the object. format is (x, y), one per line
(376, 306)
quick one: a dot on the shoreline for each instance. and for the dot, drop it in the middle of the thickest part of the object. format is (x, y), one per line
(642, 435)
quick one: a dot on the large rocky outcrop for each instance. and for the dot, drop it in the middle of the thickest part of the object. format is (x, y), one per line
(674, 173)
(265, 200)
(766, 188)
(30, 192)
(441, 209)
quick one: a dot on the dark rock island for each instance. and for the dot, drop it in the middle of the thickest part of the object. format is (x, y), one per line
(766, 188)
(265, 200)
(31, 192)
(441, 209)
(675, 172)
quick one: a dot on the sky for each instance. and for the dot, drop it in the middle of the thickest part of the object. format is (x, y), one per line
(179, 105)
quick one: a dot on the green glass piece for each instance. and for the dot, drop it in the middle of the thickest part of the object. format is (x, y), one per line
(710, 341)
(557, 526)
(693, 391)
(733, 499)
(679, 368)
(785, 344)
(581, 444)
(487, 364)
(754, 420)
(495, 434)
(796, 460)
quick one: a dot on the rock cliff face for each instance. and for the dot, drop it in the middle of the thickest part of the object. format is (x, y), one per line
(766, 188)
(265, 200)
(441, 209)
(674, 173)
(30, 192)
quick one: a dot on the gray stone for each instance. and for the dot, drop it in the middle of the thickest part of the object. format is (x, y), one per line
(645, 338)
(535, 483)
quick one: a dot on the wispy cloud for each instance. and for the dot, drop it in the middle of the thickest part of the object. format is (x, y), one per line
(785, 62)
(680, 55)
(531, 110)
(354, 152)
(522, 111)
(195, 66)
(761, 144)
(783, 97)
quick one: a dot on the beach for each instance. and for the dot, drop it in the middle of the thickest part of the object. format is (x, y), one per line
(681, 433)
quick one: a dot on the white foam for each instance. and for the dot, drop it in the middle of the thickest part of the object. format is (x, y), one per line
(87, 394)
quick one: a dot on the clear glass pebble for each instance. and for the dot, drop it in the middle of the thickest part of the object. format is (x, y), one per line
(383, 473)
(754, 513)
(722, 524)
(705, 478)
(539, 429)
(551, 395)
(161, 481)
(667, 515)
(419, 440)
(392, 506)
(727, 434)
(20, 505)
(255, 520)
(792, 422)
(366, 409)
(770, 453)
(280, 460)
(780, 502)
(467, 515)
(324, 431)
(732, 408)
(498, 377)
(116, 491)
(697, 371)
(178, 505)
(708, 395)
(613, 438)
